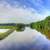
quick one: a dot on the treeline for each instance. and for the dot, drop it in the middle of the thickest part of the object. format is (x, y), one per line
(42, 26)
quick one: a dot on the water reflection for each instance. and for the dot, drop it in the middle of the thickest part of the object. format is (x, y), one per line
(26, 40)
(3, 30)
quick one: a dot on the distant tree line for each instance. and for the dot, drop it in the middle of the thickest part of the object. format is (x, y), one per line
(41, 26)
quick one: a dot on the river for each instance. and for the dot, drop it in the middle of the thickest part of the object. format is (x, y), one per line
(28, 39)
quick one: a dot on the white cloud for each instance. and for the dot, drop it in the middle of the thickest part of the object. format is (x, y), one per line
(17, 14)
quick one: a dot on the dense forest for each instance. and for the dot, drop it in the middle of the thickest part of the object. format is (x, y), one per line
(42, 26)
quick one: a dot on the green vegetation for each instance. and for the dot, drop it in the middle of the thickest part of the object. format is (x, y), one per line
(18, 27)
(5, 34)
(42, 26)
(7, 27)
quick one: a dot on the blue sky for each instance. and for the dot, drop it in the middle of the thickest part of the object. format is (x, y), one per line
(35, 9)
(39, 5)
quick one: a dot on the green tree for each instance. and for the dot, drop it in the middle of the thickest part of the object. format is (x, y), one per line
(42, 26)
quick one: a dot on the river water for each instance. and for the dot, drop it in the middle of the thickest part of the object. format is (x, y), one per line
(26, 40)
